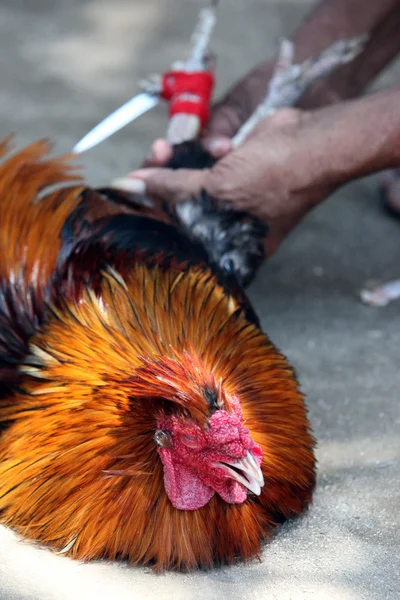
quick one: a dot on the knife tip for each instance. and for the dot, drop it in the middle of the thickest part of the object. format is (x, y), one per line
(79, 148)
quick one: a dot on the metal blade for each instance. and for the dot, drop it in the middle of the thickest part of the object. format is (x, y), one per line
(126, 113)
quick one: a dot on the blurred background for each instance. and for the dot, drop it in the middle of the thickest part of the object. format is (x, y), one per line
(64, 66)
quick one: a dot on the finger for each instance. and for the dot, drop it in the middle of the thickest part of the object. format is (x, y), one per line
(217, 146)
(166, 184)
(224, 121)
(160, 154)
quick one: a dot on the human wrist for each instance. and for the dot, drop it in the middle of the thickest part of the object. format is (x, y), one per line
(352, 139)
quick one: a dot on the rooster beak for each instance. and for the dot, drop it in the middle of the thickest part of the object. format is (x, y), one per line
(246, 471)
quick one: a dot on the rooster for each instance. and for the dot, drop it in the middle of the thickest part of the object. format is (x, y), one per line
(144, 415)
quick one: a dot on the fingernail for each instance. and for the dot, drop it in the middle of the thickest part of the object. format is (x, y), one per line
(130, 184)
(153, 155)
(161, 151)
(141, 173)
(218, 147)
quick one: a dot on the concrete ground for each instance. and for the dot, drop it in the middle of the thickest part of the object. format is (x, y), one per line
(65, 65)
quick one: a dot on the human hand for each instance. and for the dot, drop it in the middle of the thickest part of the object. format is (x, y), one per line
(268, 176)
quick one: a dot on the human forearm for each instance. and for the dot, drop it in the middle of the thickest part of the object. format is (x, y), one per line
(334, 19)
(360, 137)
(329, 21)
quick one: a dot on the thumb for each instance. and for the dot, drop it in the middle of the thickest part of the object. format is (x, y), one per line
(225, 120)
(167, 184)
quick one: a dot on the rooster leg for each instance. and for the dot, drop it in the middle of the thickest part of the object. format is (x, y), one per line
(289, 81)
(382, 294)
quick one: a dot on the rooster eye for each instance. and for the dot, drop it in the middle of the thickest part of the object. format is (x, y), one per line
(190, 441)
(163, 438)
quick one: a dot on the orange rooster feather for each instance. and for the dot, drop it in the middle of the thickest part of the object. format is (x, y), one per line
(144, 415)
